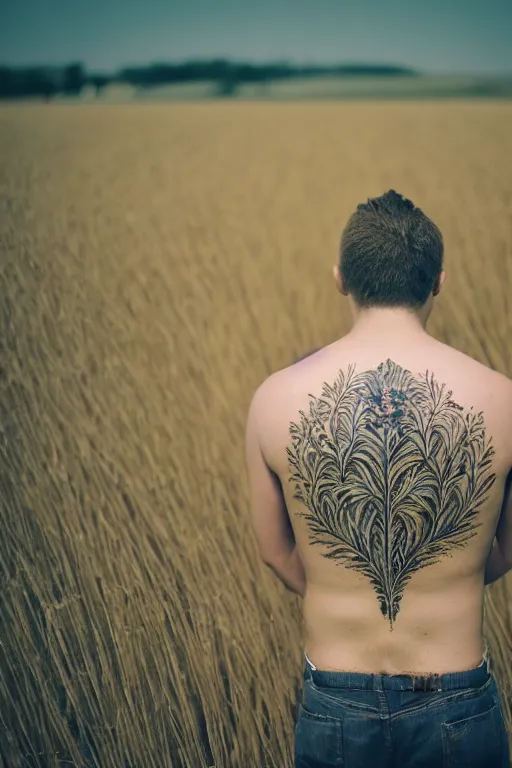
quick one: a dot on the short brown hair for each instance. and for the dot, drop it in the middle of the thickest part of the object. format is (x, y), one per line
(391, 253)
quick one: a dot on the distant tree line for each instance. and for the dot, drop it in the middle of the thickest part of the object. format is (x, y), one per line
(47, 82)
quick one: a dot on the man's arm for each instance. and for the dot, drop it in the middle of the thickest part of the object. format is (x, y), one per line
(291, 572)
(269, 515)
(499, 561)
(496, 566)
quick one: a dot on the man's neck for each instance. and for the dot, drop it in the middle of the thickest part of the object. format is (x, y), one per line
(394, 322)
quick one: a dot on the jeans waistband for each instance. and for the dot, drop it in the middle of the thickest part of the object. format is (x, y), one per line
(450, 681)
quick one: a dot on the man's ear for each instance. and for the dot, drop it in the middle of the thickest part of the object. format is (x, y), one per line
(338, 280)
(439, 283)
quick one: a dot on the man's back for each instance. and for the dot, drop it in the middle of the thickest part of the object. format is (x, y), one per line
(392, 450)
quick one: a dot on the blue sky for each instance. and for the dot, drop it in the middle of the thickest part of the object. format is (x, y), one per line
(438, 36)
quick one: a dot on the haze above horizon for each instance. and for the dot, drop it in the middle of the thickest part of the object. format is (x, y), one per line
(459, 37)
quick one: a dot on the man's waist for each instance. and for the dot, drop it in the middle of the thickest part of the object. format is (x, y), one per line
(474, 677)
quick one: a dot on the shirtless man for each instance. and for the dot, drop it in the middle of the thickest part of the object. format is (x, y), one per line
(378, 471)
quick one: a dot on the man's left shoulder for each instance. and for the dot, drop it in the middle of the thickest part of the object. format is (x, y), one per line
(266, 393)
(273, 395)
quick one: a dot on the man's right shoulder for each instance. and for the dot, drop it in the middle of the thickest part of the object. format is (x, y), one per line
(496, 382)
(496, 389)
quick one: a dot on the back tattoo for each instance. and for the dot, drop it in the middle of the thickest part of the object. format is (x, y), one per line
(392, 473)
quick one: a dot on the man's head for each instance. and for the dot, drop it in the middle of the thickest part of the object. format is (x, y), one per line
(391, 255)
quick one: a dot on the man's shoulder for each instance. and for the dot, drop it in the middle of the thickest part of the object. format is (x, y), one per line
(279, 388)
(496, 381)
(270, 389)
(274, 392)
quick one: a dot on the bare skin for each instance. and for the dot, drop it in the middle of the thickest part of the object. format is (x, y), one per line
(439, 624)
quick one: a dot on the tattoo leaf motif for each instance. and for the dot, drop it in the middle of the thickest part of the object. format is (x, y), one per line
(392, 473)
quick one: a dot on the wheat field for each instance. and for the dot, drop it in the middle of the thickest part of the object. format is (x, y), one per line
(157, 263)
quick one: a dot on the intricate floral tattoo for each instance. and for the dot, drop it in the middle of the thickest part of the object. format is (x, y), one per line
(392, 473)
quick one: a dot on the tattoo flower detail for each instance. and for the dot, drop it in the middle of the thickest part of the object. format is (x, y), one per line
(388, 409)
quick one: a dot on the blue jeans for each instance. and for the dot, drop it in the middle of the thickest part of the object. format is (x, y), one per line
(355, 720)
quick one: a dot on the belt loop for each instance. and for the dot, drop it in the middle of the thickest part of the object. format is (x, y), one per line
(487, 660)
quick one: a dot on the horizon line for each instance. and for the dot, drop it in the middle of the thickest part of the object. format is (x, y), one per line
(293, 63)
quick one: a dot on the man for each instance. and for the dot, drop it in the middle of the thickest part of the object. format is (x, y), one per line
(377, 471)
